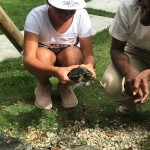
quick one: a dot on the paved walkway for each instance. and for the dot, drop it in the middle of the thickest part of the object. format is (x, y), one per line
(98, 24)
(7, 49)
(107, 5)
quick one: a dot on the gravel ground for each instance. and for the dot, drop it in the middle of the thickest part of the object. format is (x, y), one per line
(79, 137)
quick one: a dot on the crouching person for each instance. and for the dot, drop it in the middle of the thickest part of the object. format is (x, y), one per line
(57, 39)
(126, 80)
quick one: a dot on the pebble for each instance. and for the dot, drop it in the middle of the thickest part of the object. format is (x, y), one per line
(109, 138)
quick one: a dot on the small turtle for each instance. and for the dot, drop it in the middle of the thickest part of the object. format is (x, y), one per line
(81, 75)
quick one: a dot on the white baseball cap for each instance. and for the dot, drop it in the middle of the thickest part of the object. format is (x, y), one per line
(68, 4)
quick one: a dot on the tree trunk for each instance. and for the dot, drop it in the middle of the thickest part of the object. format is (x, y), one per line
(11, 31)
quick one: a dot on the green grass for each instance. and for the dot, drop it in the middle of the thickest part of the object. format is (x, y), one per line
(17, 10)
(100, 12)
(18, 112)
(19, 115)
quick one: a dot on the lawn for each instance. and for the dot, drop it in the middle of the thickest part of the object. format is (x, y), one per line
(19, 115)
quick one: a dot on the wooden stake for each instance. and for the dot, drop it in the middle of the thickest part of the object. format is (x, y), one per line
(11, 31)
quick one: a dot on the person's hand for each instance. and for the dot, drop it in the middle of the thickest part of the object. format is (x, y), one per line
(141, 86)
(62, 74)
(90, 68)
(129, 82)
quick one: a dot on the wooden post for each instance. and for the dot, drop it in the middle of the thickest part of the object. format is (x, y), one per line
(11, 31)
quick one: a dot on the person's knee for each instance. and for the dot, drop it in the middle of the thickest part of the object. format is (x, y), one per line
(46, 56)
(111, 86)
(70, 56)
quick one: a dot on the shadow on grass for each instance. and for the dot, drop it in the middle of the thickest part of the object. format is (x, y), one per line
(19, 119)
(17, 108)
(94, 108)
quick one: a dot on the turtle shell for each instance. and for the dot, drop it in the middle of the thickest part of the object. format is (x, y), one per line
(81, 75)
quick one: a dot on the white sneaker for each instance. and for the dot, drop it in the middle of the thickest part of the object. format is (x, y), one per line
(43, 96)
(67, 96)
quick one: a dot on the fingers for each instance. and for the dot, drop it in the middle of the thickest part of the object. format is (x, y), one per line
(73, 66)
(136, 86)
(145, 91)
(142, 91)
(146, 95)
(93, 73)
(90, 68)
(140, 95)
(142, 99)
(145, 98)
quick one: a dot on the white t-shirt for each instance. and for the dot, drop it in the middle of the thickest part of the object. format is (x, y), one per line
(38, 22)
(126, 25)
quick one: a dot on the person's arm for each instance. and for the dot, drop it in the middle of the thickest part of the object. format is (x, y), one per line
(33, 65)
(88, 56)
(136, 84)
(122, 64)
(119, 58)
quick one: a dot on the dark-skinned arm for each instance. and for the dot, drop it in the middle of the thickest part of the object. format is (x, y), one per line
(122, 63)
(136, 84)
(119, 58)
